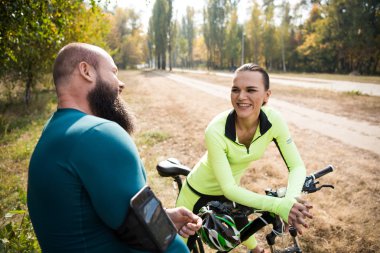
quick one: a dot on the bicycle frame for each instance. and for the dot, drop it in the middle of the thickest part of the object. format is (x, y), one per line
(173, 168)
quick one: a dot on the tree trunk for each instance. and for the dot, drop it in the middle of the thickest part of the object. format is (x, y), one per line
(283, 53)
(375, 64)
(163, 61)
(29, 82)
(170, 56)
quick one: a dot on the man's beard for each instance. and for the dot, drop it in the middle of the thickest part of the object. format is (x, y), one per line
(107, 104)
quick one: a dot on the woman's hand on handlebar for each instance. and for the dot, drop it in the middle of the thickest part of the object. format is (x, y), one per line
(186, 222)
(298, 215)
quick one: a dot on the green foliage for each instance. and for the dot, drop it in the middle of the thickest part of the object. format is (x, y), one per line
(214, 30)
(188, 34)
(269, 38)
(125, 39)
(233, 35)
(89, 25)
(355, 34)
(20, 128)
(182, 39)
(16, 233)
(354, 93)
(32, 32)
(254, 30)
(338, 36)
(152, 138)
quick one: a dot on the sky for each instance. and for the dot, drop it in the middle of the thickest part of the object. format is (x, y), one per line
(144, 7)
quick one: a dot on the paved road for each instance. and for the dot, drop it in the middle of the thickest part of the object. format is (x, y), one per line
(365, 88)
(357, 134)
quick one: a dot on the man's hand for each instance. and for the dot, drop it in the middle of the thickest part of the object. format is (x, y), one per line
(185, 221)
(298, 215)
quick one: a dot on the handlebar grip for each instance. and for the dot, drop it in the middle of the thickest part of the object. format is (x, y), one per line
(323, 172)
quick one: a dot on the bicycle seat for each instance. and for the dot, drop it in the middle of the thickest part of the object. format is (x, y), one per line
(171, 167)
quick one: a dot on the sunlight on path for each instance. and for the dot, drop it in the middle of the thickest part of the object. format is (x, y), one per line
(358, 134)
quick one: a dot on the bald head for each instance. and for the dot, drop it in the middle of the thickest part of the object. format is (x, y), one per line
(71, 55)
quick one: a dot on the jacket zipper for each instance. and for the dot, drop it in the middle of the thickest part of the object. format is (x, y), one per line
(249, 144)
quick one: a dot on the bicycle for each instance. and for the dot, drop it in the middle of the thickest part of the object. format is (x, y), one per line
(172, 167)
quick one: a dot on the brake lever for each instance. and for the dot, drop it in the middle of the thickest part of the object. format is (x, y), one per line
(312, 187)
(326, 185)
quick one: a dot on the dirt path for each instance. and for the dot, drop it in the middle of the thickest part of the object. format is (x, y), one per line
(313, 83)
(359, 134)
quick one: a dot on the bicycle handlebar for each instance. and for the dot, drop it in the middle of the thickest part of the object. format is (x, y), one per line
(308, 187)
(310, 184)
(323, 172)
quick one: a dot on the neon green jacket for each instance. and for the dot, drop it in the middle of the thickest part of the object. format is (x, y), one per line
(221, 168)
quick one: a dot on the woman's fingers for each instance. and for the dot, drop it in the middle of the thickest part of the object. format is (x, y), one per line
(306, 213)
(305, 203)
(298, 215)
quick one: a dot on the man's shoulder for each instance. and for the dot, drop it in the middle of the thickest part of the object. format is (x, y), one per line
(92, 120)
(77, 119)
(75, 123)
(101, 126)
(98, 132)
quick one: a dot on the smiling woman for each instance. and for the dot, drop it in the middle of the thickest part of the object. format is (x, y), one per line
(236, 138)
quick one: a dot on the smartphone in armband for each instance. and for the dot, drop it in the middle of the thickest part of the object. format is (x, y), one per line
(150, 213)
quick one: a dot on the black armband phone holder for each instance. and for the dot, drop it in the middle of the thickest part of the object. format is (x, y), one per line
(147, 226)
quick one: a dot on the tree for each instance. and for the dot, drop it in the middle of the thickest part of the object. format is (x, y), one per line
(284, 32)
(90, 25)
(206, 36)
(269, 31)
(185, 38)
(161, 20)
(189, 33)
(214, 29)
(125, 39)
(174, 37)
(199, 51)
(316, 51)
(356, 34)
(150, 42)
(233, 40)
(31, 33)
(169, 24)
(254, 34)
(182, 44)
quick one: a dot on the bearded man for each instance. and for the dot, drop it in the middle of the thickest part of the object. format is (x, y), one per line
(85, 168)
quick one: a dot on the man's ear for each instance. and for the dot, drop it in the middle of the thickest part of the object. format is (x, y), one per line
(87, 71)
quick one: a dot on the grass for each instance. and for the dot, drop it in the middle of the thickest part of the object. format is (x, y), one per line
(151, 138)
(20, 128)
